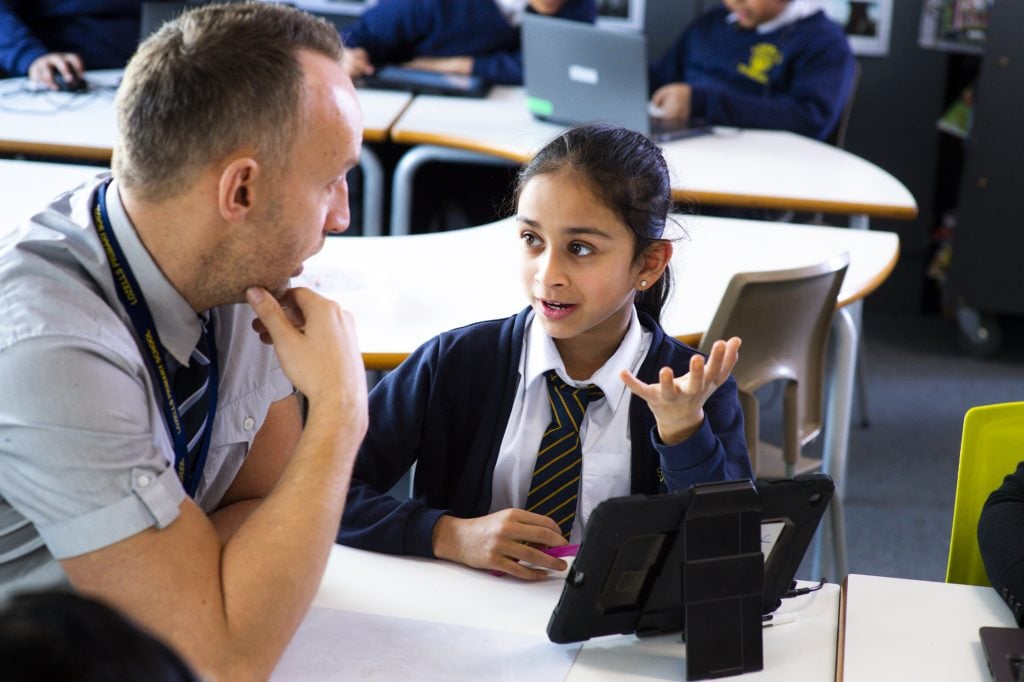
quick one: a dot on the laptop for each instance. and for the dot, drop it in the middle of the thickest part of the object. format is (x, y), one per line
(1004, 652)
(421, 82)
(575, 72)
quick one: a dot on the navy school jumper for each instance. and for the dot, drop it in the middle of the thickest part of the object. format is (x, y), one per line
(396, 31)
(795, 78)
(103, 32)
(446, 408)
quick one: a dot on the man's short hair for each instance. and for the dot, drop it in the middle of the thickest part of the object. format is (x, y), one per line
(220, 78)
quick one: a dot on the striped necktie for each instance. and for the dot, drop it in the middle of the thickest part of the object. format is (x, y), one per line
(191, 392)
(555, 485)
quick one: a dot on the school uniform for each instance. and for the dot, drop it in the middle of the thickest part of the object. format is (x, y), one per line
(1000, 530)
(104, 33)
(455, 408)
(792, 73)
(396, 31)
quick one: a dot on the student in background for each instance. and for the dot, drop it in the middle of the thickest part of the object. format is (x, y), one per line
(472, 407)
(1001, 540)
(479, 37)
(38, 37)
(54, 635)
(778, 64)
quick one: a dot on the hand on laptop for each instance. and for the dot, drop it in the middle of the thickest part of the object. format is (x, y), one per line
(458, 65)
(357, 62)
(673, 101)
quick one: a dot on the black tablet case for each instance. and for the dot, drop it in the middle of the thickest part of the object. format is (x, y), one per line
(628, 575)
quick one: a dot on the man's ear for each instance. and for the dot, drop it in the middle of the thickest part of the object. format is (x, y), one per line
(236, 190)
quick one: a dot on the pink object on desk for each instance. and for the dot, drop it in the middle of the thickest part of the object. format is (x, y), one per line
(559, 552)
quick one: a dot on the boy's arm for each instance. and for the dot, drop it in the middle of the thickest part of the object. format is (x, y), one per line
(231, 608)
(391, 30)
(19, 47)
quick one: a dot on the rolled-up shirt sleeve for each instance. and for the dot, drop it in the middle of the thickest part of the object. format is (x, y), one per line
(83, 456)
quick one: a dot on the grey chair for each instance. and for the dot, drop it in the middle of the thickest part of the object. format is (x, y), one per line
(783, 317)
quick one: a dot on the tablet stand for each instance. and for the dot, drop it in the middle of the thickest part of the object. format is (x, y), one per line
(722, 579)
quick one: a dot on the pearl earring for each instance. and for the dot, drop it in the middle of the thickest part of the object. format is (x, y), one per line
(643, 284)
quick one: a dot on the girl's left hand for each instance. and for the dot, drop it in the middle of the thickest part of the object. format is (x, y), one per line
(678, 403)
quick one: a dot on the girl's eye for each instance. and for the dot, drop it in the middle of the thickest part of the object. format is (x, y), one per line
(529, 239)
(578, 249)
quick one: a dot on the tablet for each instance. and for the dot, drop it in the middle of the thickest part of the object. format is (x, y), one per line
(628, 575)
(426, 82)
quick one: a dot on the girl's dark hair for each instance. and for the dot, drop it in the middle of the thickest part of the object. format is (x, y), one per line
(628, 175)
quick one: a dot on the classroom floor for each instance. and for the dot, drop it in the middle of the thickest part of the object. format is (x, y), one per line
(902, 468)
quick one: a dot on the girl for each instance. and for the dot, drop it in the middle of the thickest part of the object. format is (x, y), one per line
(497, 415)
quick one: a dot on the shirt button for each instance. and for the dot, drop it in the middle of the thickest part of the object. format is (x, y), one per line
(248, 423)
(143, 480)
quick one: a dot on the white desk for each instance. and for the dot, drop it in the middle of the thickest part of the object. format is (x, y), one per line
(84, 126)
(27, 186)
(746, 168)
(431, 602)
(894, 629)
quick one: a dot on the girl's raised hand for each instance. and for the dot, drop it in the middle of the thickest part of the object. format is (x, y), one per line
(678, 403)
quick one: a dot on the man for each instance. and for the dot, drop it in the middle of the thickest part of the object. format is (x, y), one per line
(777, 64)
(42, 38)
(238, 124)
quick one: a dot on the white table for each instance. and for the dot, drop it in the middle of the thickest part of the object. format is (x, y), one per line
(83, 126)
(439, 610)
(895, 629)
(745, 168)
(27, 186)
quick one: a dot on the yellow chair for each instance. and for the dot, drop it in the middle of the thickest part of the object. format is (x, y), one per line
(992, 446)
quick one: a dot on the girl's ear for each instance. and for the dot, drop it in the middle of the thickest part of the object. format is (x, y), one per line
(655, 260)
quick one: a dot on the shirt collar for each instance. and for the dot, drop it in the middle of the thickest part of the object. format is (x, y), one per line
(176, 322)
(542, 355)
(795, 11)
(512, 10)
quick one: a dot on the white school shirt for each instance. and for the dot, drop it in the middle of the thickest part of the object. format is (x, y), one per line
(606, 442)
(512, 10)
(795, 11)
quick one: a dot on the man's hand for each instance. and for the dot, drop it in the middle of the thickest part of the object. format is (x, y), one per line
(678, 403)
(673, 101)
(316, 343)
(499, 541)
(68, 64)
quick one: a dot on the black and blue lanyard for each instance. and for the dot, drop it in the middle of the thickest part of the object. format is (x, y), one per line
(130, 294)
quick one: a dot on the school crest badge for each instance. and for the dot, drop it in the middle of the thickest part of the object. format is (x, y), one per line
(763, 57)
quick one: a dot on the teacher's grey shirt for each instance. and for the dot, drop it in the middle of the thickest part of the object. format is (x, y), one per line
(86, 459)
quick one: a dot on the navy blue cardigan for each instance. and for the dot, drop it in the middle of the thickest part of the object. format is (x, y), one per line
(395, 31)
(446, 408)
(103, 32)
(796, 77)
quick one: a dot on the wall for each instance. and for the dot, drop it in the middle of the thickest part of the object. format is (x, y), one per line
(893, 126)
